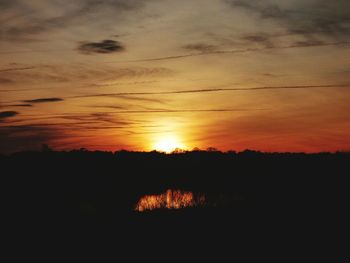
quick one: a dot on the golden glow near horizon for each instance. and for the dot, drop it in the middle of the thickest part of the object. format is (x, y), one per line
(171, 134)
(168, 143)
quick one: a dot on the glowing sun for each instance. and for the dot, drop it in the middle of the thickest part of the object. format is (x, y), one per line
(168, 144)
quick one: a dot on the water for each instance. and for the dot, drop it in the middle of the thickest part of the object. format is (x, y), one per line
(171, 199)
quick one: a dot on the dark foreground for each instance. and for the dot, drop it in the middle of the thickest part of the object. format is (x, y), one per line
(80, 194)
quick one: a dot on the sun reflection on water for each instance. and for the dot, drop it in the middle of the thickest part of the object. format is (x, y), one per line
(171, 199)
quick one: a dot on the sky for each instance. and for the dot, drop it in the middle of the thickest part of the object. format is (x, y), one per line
(138, 75)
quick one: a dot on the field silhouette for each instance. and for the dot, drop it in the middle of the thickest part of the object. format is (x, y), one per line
(246, 191)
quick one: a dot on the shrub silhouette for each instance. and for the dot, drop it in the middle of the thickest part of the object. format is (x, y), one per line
(82, 184)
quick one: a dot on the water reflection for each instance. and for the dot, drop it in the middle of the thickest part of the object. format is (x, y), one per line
(171, 199)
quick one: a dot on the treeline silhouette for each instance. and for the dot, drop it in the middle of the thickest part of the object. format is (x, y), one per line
(83, 186)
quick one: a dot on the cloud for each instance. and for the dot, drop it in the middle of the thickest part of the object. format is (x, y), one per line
(210, 90)
(133, 98)
(97, 118)
(200, 47)
(259, 39)
(6, 81)
(60, 131)
(18, 90)
(88, 75)
(120, 5)
(103, 47)
(180, 111)
(268, 45)
(265, 10)
(308, 43)
(76, 121)
(43, 100)
(16, 69)
(30, 21)
(7, 114)
(4, 4)
(318, 18)
(26, 137)
(108, 107)
(122, 96)
(20, 105)
(170, 57)
(136, 95)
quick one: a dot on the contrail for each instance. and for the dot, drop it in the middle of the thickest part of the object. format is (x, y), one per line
(17, 69)
(184, 111)
(208, 90)
(230, 52)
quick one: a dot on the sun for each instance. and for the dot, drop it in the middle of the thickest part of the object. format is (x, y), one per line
(168, 144)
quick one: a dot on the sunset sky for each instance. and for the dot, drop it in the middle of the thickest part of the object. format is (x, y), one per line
(269, 75)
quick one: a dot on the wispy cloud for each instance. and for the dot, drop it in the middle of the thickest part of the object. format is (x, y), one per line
(183, 111)
(86, 75)
(261, 39)
(6, 81)
(103, 47)
(19, 105)
(19, 90)
(122, 96)
(318, 18)
(30, 21)
(43, 100)
(268, 45)
(200, 47)
(16, 69)
(264, 9)
(211, 90)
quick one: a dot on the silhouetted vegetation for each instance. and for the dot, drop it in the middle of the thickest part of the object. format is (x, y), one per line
(81, 185)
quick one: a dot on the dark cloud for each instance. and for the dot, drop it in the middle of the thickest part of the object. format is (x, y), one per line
(43, 100)
(21, 105)
(103, 47)
(7, 114)
(200, 47)
(16, 105)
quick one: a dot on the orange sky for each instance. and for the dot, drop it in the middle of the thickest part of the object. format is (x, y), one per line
(142, 75)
